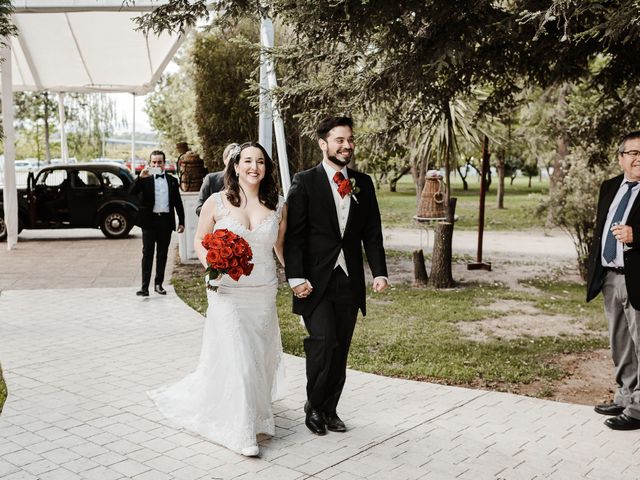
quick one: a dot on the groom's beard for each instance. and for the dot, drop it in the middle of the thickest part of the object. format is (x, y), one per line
(343, 161)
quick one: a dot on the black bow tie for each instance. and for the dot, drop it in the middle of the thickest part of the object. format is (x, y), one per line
(159, 175)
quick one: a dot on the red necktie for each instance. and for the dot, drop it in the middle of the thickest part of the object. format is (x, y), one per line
(344, 187)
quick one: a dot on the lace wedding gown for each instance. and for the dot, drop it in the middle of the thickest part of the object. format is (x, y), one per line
(227, 399)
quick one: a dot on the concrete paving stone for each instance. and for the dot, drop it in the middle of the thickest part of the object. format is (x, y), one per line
(205, 462)
(153, 475)
(109, 458)
(20, 475)
(40, 467)
(21, 458)
(180, 453)
(45, 446)
(59, 474)
(189, 473)
(129, 468)
(60, 455)
(6, 468)
(122, 446)
(165, 464)
(143, 455)
(10, 447)
(25, 439)
(101, 473)
(89, 449)
(80, 465)
(159, 445)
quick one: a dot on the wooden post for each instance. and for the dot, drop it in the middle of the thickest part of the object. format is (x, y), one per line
(479, 264)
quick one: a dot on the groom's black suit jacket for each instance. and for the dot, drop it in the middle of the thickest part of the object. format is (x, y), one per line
(595, 277)
(313, 241)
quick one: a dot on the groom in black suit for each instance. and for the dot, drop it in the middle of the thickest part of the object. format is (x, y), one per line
(160, 200)
(333, 213)
(614, 269)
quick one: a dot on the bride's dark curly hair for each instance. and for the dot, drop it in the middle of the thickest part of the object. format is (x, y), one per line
(268, 191)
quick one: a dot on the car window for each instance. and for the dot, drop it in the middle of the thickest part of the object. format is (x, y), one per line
(52, 178)
(86, 179)
(111, 180)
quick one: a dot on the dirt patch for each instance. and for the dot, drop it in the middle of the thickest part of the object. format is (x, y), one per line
(511, 327)
(589, 380)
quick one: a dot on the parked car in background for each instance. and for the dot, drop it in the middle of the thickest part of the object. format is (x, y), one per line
(94, 195)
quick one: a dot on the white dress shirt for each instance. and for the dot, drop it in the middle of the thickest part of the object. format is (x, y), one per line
(620, 247)
(161, 191)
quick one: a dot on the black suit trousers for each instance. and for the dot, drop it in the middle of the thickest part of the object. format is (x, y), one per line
(330, 328)
(158, 234)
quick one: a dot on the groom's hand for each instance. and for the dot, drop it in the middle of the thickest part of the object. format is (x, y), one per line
(303, 290)
(380, 284)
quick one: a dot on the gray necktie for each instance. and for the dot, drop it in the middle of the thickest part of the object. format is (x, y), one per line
(611, 242)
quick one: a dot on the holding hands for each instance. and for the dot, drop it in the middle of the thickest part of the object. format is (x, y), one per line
(303, 290)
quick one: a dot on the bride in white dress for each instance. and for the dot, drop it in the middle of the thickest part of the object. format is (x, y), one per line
(227, 399)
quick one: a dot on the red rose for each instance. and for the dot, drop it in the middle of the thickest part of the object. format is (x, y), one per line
(247, 269)
(221, 233)
(226, 252)
(235, 273)
(213, 257)
(344, 188)
(238, 249)
(233, 262)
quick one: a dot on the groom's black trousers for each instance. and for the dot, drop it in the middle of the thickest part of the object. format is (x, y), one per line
(330, 328)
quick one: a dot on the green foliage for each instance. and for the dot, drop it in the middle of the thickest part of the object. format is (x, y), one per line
(3, 390)
(224, 65)
(573, 203)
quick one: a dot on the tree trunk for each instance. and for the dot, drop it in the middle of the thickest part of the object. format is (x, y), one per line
(465, 184)
(441, 259)
(420, 277)
(529, 181)
(393, 181)
(500, 169)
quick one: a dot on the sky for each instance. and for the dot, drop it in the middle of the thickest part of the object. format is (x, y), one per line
(124, 104)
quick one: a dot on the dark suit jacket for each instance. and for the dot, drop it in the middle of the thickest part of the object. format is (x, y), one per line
(596, 272)
(313, 241)
(145, 188)
(212, 183)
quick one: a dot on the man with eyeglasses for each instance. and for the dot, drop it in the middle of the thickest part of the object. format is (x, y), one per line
(614, 269)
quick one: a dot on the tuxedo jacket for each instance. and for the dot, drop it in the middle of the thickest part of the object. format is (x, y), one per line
(145, 188)
(596, 272)
(212, 183)
(313, 241)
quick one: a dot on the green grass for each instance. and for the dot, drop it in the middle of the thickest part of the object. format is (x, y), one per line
(521, 202)
(412, 333)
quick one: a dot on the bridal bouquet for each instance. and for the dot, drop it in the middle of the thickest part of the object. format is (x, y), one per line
(226, 253)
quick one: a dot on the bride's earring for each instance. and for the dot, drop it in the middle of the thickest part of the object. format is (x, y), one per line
(237, 174)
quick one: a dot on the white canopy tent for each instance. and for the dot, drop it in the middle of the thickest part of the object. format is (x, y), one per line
(92, 46)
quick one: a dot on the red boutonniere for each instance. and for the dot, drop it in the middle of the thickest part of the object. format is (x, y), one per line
(348, 187)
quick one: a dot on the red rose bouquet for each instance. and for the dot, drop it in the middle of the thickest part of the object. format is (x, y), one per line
(227, 253)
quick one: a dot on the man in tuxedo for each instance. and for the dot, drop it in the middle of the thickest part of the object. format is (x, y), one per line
(214, 182)
(614, 269)
(160, 200)
(332, 213)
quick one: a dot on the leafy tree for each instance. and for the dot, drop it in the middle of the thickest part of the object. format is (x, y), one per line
(31, 111)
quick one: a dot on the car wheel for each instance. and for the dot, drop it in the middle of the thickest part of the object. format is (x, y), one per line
(115, 224)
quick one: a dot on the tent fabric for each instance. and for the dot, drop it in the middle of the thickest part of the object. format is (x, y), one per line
(89, 46)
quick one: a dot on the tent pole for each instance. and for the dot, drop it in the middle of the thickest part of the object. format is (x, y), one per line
(133, 137)
(266, 39)
(265, 127)
(10, 193)
(63, 134)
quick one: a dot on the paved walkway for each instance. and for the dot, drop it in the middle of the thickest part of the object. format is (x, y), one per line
(78, 362)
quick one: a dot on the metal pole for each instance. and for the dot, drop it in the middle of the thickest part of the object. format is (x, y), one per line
(10, 193)
(265, 127)
(64, 152)
(133, 137)
(484, 169)
(278, 123)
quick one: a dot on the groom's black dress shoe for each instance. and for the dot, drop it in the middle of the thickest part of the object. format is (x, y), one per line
(314, 420)
(622, 422)
(608, 409)
(160, 290)
(334, 424)
(142, 293)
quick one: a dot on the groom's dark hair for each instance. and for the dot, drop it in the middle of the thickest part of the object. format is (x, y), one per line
(327, 124)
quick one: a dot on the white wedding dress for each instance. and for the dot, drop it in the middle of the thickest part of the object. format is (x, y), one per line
(227, 399)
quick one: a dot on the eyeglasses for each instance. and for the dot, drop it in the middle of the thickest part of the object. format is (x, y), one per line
(632, 153)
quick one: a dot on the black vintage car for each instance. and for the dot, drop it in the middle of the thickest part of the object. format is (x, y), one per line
(94, 195)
